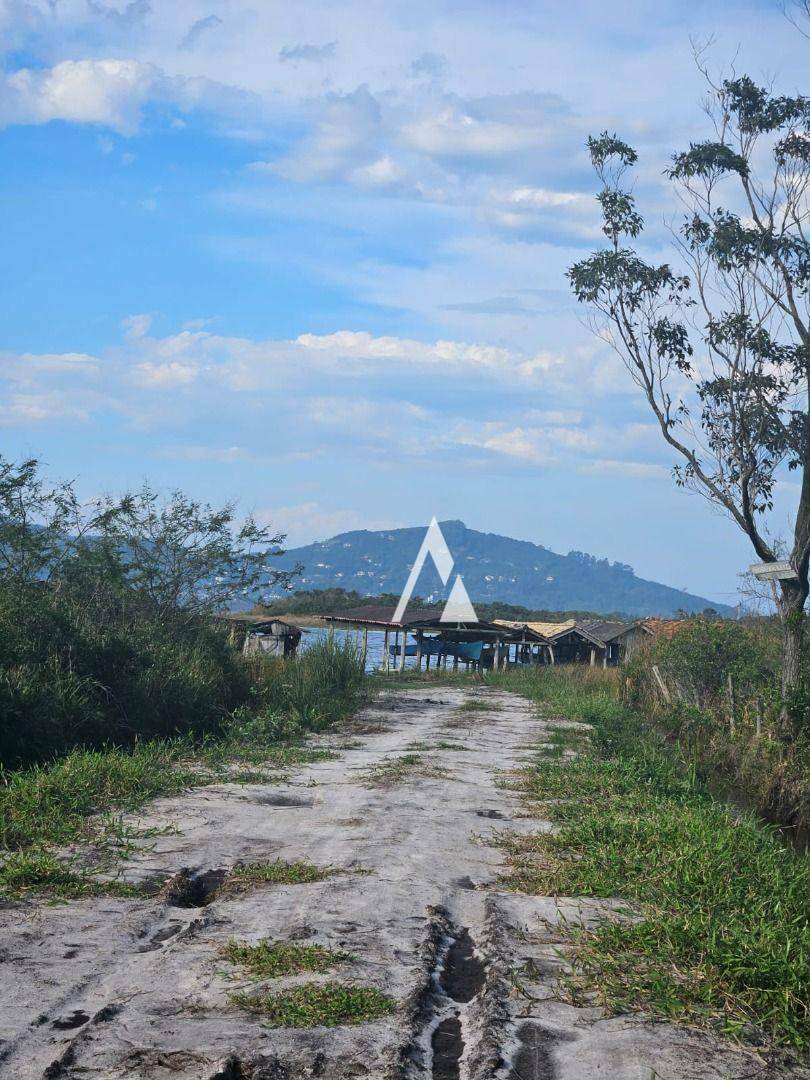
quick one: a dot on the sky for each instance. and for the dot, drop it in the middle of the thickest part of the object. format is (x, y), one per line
(311, 257)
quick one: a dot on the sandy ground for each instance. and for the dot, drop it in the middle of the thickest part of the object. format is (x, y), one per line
(119, 988)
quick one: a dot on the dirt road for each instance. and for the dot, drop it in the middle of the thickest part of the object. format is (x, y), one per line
(408, 811)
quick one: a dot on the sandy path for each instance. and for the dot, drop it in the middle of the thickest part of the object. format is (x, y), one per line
(115, 988)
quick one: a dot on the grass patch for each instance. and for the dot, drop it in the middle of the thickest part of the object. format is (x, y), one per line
(449, 746)
(722, 936)
(30, 873)
(560, 740)
(271, 959)
(311, 1005)
(477, 705)
(396, 770)
(80, 797)
(278, 872)
(52, 803)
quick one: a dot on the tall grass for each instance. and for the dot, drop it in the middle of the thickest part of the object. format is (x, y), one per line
(70, 798)
(73, 673)
(722, 936)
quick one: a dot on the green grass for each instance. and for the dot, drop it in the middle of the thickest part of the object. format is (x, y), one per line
(271, 959)
(32, 873)
(79, 797)
(328, 1004)
(477, 705)
(52, 803)
(722, 937)
(278, 872)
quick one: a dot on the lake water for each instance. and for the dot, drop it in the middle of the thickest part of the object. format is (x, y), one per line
(376, 639)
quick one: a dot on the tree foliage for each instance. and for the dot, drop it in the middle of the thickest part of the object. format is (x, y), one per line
(718, 338)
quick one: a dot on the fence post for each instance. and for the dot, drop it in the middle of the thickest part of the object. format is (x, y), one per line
(759, 716)
(732, 705)
(662, 686)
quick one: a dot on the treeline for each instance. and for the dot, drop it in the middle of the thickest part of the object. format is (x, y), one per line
(106, 633)
(316, 601)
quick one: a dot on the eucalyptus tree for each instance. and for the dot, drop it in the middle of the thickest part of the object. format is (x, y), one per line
(718, 338)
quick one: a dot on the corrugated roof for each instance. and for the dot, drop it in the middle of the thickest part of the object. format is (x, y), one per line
(548, 630)
(608, 630)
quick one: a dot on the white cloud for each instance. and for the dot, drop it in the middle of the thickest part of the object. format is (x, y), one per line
(113, 93)
(108, 92)
(173, 374)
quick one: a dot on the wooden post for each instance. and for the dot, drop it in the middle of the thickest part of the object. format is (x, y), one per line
(455, 660)
(497, 664)
(386, 656)
(593, 657)
(404, 645)
(662, 686)
(365, 646)
(759, 716)
(551, 654)
(419, 652)
(732, 707)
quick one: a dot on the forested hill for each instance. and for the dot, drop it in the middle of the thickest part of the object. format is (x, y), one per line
(494, 568)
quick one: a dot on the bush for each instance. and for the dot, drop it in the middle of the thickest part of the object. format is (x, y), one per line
(74, 675)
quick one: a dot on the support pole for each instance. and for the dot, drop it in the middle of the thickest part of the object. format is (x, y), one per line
(365, 646)
(386, 660)
(497, 664)
(419, 652)
(404, 646)
(593, 657)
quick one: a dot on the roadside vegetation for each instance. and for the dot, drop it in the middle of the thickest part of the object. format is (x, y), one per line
(722, 901)
(117, 682)
(716, 698)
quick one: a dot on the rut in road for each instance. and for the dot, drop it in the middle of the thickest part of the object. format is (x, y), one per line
(404, 821)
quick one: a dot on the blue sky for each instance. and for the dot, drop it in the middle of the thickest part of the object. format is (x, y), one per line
(311, 257)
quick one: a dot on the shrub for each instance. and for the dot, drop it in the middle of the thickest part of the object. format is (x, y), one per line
(71, 676)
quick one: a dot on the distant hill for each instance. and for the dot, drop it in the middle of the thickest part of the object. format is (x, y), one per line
(494, 568)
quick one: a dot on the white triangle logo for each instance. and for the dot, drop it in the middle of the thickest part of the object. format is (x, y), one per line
(459, 606)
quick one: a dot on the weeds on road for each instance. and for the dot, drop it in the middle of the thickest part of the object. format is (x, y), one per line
(395, 770)
(271, 959)
(478, 705)
(327, 1004)
(278, 872)
(722, 937)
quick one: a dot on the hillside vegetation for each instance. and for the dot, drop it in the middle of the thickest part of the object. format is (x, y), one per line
(495, 569)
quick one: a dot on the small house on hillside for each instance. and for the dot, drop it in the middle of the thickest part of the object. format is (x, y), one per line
(264, 634)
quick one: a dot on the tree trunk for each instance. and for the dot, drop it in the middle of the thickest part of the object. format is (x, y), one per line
(791, 613)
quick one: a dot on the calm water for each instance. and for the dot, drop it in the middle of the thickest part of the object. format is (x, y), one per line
(376, 639)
